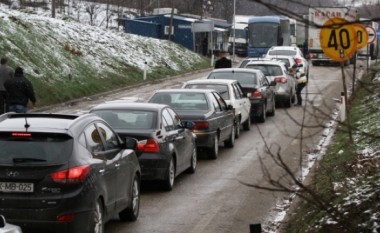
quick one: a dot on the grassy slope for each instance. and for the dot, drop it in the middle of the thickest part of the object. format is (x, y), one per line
(99, 64)
(348, 176)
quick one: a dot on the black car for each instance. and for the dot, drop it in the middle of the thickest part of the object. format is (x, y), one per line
(166, 147)
(66, 173)
(256, 87)
(213, 119)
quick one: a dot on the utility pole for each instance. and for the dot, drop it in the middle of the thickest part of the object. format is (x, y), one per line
(171, 21)
(53, 8)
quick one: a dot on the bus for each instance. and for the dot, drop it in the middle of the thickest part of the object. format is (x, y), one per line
(265, 32)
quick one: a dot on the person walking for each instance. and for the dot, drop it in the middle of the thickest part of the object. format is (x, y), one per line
(301, 83)
(19, 92)
(223, 61)
(6, 72)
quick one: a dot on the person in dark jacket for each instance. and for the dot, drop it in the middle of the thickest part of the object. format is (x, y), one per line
(223, 61)
(6, 72)
(19, 92)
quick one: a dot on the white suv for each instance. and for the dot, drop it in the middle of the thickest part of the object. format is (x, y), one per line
(292, 51)
(232, 93)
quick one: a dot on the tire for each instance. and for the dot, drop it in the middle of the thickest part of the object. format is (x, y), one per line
(168, 183)
(214, 150)
(273, 110)
(97, 224)
(230, 142)
(193, 161)
(131, 213)
(247, 123)
(288, 102)
(263, 115)
(237, 128)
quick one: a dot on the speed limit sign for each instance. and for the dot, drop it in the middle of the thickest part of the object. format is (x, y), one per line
(338, 39)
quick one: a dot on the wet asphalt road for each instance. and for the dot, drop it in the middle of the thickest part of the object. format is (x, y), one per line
(214, 199)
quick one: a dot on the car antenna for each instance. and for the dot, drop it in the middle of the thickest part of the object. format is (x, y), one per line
(26, 124)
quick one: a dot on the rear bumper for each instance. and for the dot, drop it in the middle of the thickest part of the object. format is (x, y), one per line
(205, 139)
(154, 166)
(256, 108)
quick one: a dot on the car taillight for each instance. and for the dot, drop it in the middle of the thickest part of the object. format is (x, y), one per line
(280, 79)
(148, 146)
(71, 175)
(66, 218)
(255, 95)
(312, 55)
(200, 125)
(298, 60)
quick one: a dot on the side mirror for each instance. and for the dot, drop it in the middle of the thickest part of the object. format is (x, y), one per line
(130, 143)
(230, 107)
(188, 124)
(272, 83)
(300, 65)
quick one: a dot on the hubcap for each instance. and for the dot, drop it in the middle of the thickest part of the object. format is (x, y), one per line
(135, 196)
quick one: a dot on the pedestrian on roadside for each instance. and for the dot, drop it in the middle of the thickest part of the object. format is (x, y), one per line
(6, 72)
(19, 92)
(223, 61)
(301, 83)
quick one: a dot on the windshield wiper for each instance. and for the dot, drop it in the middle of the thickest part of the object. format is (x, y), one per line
(26, 160)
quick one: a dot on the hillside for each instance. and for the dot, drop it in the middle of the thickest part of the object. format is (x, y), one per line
(99, 60)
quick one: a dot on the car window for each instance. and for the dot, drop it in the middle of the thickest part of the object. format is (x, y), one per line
(128, 118)
(237, 91)
(267, 69)
(283, 52)
(175, 117)
(221, 88)
(110, 138)
(242, 77)
(93, 139)
(185, 101)
(47, 147)
(167, 120)
(215, 103)
(221, 102)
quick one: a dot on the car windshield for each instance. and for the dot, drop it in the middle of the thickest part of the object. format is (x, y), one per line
(283, 52)
(222, 89)
(182, 101)
(46, 148)
(129, 118)
(242, 78)
(268, 70)
(284, 60)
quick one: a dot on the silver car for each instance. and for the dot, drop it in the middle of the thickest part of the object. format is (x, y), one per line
(277, 71)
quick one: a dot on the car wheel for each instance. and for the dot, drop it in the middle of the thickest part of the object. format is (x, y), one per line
(169, 181)
(193, 161)
(97, 218)
(214, 150)
(247, 123)
(237, 129)
(230, 142)
(288, 102)
(263, 115)
(273, 109)
(131, 213)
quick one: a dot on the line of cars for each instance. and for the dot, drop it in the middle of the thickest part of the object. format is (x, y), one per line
(80, 170)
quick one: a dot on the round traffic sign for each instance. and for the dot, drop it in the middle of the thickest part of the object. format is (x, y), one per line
(371, 34)
(362, 35)
(338, 39)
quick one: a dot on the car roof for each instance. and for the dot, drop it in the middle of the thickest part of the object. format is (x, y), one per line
(212, 81)
(237, 70)
(43, 122)
(272, 62)
(283, 48)
(184, 90)
(129, 105)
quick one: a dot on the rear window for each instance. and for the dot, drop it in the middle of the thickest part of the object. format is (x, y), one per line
(129, 118)
(182, 101)
(283, 52)
(222, 89)
(24, 147)
(242, 78)
(268, 70)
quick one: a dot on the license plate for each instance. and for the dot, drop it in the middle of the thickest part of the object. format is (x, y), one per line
(12, 187)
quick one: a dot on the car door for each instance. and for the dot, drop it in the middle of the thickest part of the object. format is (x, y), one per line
(267, 91)
(174, 138)
(243, 102)
(120, 161)
(107, 171)
(187, 144)
(225, 118)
